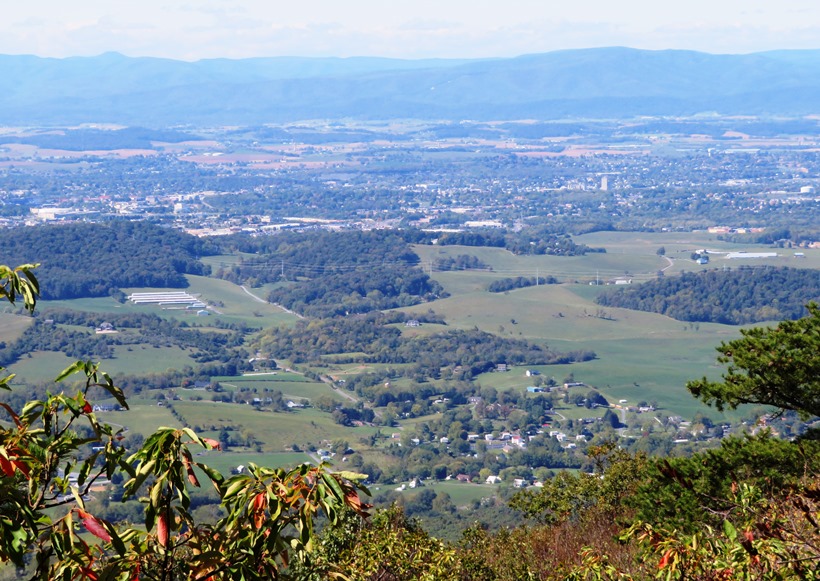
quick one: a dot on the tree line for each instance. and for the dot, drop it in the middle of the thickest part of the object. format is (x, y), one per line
(369, 338)
(734, 297)
(507, 284)
(93, 260)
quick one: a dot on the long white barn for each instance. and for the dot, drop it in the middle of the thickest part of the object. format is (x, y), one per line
(172, 298)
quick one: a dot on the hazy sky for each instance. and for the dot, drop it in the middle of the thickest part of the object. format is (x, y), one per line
(194, 29)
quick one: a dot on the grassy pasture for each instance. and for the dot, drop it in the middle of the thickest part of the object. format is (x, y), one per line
(143, 418)
(277, 430)
(142, 359)
(13, 326)
(239, 305)
(565, 268)
(235, 304)
(461, 493)
(296, 388)
(551, 312)
(40, 366)
(224, 462)
(641, 356)
(680, 245)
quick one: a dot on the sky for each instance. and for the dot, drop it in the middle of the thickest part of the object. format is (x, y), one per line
(197, 29)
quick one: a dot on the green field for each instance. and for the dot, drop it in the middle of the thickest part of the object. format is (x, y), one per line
(230, 303)
(461, 493)
(40, 366)
(13, 326)
(239, 305)
(640, 356)
(680, 245)
(140, 359)
(291, 385)
(225, 462)
(278, 431)
(504, 264)
(142, 418)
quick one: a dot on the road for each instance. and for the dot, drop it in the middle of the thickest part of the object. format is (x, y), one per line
(253, 296)
(263, 301)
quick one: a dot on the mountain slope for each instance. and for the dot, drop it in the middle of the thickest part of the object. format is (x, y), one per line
(608, 82)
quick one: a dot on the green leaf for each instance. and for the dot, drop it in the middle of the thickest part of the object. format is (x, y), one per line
(354, 476)
(70, 370)
(729, 530)
(334, 485)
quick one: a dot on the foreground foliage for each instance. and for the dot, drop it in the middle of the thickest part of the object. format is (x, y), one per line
(747, 510)
(46, 479)
(777, 366)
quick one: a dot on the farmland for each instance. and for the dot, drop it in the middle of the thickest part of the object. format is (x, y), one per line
(641, 356)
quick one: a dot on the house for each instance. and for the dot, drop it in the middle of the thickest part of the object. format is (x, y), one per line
(463, 478)
(106, 329)
(531, 372)
(501, 367)
(493, 479)
(412, 323)
(520, 482)
(535, 389)
(444, 440)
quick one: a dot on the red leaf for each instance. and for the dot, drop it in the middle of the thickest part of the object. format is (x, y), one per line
(260, 502)
(191, 476)
(89, 574)
(87, 408)
(96, 528)
(665, 559)
(6, 466)
(212, 443)
(13, 415)
(22, 467)
(162, 529)
(353, 501)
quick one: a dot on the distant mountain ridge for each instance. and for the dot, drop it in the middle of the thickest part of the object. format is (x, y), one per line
(599, 83)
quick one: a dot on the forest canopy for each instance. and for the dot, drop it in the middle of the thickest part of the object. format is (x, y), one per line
(733, 297)
(113, 255)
